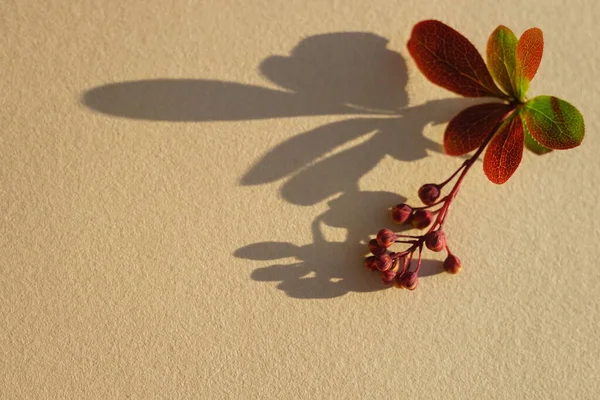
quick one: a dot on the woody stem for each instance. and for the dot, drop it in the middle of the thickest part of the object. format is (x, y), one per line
(465, 167)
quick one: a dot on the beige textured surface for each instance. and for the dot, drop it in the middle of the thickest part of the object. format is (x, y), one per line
(194, 230)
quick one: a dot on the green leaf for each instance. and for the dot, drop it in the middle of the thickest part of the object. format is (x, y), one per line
(501, 58)
(532, 145)
(553, 122)
(530, 48)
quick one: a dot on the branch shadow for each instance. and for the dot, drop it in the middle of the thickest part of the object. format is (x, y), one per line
(325, 269)
(344, 73)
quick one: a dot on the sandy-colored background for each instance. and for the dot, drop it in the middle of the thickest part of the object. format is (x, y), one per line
(186, 187)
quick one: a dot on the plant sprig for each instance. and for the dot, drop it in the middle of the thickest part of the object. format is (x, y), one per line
(504, 127)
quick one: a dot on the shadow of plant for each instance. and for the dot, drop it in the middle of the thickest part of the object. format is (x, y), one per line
(324, 269)
(345, 73)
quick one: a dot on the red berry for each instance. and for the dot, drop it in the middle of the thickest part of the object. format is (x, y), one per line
(409, 280)
(452, 264)
(375, 248)
(401, 213)
(436, 240)
(384, 262)
(421, 219)
(429, 193)
(388, 277)
(371, 262)
(386, 238)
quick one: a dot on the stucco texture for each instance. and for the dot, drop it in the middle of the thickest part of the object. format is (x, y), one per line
(186, 188)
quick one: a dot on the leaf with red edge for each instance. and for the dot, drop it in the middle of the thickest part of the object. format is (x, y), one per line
(449, 60)
(532, 145)
(501, 58)
(553, 122)
(505, 151)
(469, 128)
(528, 57)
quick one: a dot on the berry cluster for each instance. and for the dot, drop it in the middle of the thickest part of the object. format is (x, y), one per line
(396, 267)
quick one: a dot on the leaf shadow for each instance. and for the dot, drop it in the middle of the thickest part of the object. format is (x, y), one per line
(342, 73)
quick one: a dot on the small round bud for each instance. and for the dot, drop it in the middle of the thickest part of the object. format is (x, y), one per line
(452, 264)
(371, 263)
(436, 240)
(401, 213)
(409, 280)
(429, 193)
(384, 262)
(388, 277)
(375, 248)
(386, 238)
(421, 219)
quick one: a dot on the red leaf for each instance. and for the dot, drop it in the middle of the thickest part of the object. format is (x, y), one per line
(505, 151)
(449, 60)
(529, 52)
(467, 130)
(530, 48)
